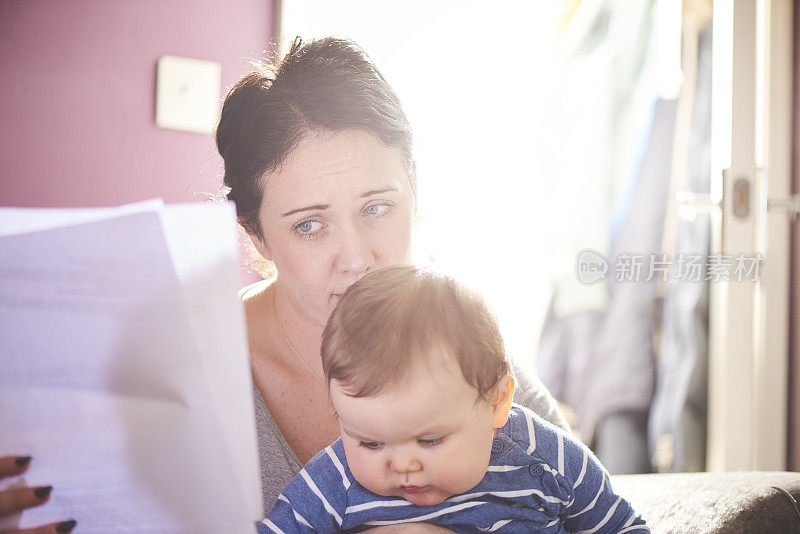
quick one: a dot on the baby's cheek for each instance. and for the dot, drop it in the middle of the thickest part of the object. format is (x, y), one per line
(466, 472)
(366, 470)
(464, 479)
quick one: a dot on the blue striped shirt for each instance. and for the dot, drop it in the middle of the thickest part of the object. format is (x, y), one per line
(538, 480)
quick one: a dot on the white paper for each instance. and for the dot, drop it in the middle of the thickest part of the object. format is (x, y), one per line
(202, 239)
(123, 371)
(26, 220)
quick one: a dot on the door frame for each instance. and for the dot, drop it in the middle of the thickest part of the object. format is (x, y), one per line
(751, 156)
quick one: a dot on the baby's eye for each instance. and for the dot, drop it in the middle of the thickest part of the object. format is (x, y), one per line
(377, 210)
(372, 445)
(431, 441)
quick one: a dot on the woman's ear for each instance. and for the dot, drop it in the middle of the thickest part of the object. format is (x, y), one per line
(260, 245)
(504, 396)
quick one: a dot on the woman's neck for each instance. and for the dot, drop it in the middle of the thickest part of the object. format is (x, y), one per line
(301, 335)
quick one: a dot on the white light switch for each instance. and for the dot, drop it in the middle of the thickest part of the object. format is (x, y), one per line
(187, 94)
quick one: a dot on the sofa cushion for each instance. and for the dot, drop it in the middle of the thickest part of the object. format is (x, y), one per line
(737, 502)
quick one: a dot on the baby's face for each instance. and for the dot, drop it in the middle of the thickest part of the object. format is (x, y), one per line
(425, 441)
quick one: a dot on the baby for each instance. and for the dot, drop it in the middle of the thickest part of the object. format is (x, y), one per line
(423, 390)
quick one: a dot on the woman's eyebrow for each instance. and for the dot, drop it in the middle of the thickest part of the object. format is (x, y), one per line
(321, 207)
(314, 207)
(378, 191)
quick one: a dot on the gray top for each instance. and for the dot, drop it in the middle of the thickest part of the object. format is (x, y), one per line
(279, 463)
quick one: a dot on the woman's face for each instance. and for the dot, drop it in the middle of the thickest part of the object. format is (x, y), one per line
(339, 206)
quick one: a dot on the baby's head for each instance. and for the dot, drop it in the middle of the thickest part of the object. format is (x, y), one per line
(419, 379)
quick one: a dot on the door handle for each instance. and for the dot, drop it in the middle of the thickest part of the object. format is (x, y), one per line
(789, 205)
(689, 204)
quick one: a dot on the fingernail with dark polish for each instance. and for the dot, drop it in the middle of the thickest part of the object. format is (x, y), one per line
(22, 461)
(43, 492)
(66, 526)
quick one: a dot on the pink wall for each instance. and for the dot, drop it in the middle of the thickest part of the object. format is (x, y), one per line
(77, 120)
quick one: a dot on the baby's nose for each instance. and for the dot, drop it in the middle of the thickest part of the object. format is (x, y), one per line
(404, 463)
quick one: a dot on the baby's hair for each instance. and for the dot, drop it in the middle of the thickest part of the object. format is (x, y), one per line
(387, 322)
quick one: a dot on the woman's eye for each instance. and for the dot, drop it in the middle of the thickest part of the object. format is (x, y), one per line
(377, 210)
(305, 228)
(431, 441)
(373, 445)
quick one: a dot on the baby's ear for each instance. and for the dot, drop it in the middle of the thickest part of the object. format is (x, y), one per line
(504, 396)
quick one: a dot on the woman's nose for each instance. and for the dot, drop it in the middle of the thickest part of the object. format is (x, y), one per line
(355, 254)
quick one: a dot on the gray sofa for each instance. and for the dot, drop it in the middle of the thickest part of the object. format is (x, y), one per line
(729, 503)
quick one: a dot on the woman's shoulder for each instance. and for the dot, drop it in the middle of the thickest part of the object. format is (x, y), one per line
(257, 299)
(533, 394)
(256, 290)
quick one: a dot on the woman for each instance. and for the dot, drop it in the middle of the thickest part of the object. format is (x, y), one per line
(318, 160)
